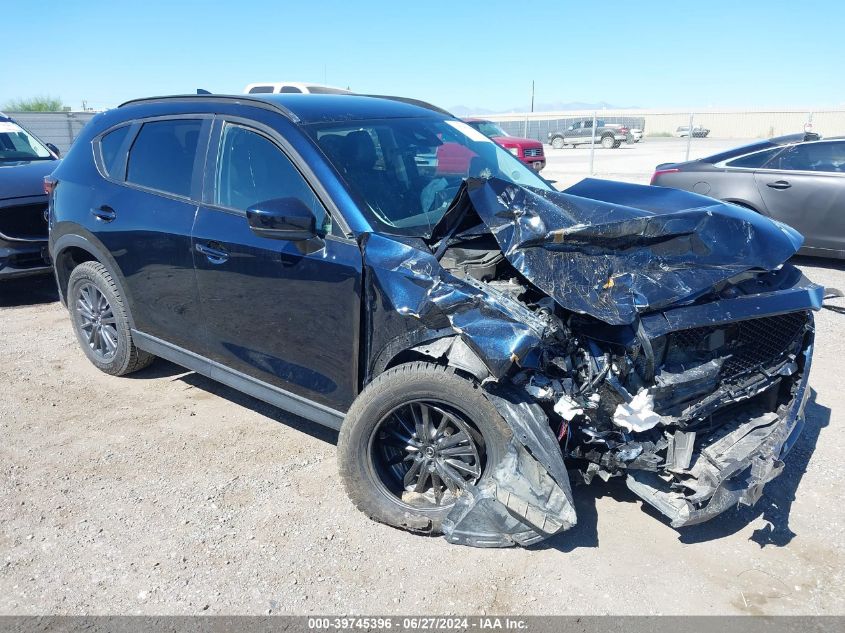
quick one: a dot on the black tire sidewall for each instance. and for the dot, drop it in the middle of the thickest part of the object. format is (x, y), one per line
(414, 381)
(95, 274)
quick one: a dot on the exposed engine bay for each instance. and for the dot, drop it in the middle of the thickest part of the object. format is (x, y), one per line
(640, 404)
(664, 342)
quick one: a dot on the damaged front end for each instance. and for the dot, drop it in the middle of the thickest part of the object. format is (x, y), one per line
(619, 330)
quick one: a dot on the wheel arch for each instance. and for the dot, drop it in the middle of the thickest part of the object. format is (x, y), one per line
(442, 347)
(71, 250)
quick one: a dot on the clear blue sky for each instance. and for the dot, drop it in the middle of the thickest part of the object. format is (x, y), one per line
(478, 54)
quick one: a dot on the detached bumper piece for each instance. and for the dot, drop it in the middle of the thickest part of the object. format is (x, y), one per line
(730, 466)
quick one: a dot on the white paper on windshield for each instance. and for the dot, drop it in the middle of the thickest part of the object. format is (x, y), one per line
(468, 130)
(9, 127)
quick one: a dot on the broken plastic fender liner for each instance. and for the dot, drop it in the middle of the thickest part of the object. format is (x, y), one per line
(527, 497)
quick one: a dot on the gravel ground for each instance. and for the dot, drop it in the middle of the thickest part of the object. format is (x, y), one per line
(167, 493)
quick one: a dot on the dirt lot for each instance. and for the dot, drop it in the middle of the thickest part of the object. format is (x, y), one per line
(167, 493)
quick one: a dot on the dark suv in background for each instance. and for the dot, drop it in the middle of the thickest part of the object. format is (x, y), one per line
(471, 332)
(24, 161)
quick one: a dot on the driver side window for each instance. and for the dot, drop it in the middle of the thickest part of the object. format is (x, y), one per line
(251, 169)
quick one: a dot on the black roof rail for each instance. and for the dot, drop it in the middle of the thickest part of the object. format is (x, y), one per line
(414, 102)
(258, 103)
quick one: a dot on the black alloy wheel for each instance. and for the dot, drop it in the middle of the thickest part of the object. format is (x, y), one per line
(423, 454)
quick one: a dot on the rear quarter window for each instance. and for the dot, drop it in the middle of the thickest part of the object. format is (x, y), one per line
(110, 154)
(162, 156)
(756, 160)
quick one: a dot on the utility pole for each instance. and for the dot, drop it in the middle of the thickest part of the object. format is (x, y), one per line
(689, 136)
(525, 132)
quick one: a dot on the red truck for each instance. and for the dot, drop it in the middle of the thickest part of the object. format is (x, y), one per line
(527, 150)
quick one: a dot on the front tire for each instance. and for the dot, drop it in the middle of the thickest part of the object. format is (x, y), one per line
(101, 321)
(413, 440)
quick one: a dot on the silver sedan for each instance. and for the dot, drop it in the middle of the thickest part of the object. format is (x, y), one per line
(797, 179)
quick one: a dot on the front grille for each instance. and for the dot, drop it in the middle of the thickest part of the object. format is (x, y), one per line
(534, 151)
(24, 222)
(744, 345)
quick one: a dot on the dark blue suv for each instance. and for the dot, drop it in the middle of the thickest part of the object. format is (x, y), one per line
(476, 336)
(24, 161)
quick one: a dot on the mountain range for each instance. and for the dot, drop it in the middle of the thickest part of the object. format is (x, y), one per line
(554, 106)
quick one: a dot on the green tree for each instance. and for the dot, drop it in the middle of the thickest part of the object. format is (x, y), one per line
(34, 104)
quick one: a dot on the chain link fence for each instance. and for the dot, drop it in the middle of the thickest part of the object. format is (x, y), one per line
(577, 144)
(649, 138)
(59, 128)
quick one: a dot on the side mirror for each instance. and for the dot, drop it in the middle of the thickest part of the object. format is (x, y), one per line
(54, 149)
(282, 219)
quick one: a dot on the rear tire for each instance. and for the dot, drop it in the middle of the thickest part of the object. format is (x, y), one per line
(101, 321)
(608, 142)
(377, 454)
(557, 142)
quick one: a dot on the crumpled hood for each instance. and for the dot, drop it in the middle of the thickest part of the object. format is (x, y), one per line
(613, 250)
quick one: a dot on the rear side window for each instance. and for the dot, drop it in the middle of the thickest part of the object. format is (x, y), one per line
(826, 156)
(253, 169)
(110, 146)
(162, 156)
(260, 90)
(292, 89)
(754, 161)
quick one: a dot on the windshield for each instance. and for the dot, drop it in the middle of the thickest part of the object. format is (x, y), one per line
(17, 144)
(488, 129)
(407, 171)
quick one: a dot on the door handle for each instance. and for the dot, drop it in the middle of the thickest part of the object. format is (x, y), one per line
(778, 184)
(214, 255)
(104, 213)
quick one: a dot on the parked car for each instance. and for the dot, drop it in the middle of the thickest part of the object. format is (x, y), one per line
(292, 87)
(581, 133)
(474, 336)
(635, 135)
(527, 150)
(697, 131)
(24, 161)
(796, 179)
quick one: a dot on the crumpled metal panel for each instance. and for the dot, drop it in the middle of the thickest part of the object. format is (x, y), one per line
(614, 250)
(411, 299)
(408, 291)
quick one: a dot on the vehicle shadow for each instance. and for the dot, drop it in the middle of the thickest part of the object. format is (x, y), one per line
(585, 532)
(165, 369)
(774, 507)
(28, 291)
